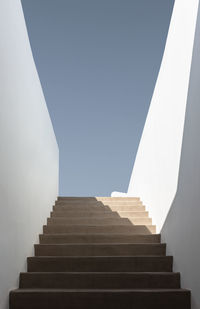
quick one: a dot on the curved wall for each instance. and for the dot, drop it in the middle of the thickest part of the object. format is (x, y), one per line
(181, 229)
(29, 152)
(166, 173)
(155, 173)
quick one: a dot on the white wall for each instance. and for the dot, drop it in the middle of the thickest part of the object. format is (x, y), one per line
(181, 230)
(28, 150)
(155, 173)
(166, 174)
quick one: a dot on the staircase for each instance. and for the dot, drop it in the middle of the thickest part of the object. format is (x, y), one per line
(99, 253)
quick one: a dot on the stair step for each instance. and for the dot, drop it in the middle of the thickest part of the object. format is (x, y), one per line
(100, 221)
(100, 249)
(126, 229)
(94, 214)
(98, 238)
(97, 204)
(101, 264)
(96, 280)
(103, 201)
(107, 299)
(101, 208)
(96, 198)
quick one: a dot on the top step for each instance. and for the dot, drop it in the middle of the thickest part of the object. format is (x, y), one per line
(97, 198)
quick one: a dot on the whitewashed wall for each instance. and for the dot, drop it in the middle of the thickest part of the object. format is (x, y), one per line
(28, 150)
(181, 229)
(155, 173)
(166, 173)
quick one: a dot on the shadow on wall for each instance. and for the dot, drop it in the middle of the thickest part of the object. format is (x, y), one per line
(181, 229)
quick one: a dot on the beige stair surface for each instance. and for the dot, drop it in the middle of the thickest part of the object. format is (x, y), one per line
(100, 249)
(100, 208)
(91, 229)
(99, 221)
(98, 238)
(100, 264)
(105, 214)
(99, 252)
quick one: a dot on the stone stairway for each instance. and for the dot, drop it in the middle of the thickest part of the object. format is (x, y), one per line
(99, 253)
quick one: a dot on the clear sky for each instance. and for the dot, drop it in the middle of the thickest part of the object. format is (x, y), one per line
(98, 62)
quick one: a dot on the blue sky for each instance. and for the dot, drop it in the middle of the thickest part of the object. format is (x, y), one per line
(98, 62)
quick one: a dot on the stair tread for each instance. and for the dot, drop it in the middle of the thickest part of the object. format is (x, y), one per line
(95, 211)
(99, 221)
(96, 207)
(101, 290)
(70, 228)
(105, 244)
(131, 225)
(100, 249)
(97, 198)
(98, 234)
(100, 256)
(104, 273)
(100, 263)
(100, 280)
(98, 238)
(93, 214)
(98, 298)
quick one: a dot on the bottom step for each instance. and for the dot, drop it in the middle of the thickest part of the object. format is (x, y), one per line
(98, 299)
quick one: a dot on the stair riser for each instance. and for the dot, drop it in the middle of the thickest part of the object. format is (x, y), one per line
(100, 221)
(98, 208)
(98, 300)
(60, 239)
(54, 229)
(88, 214)
(99, 281)
(100, 264)
(101, 250)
